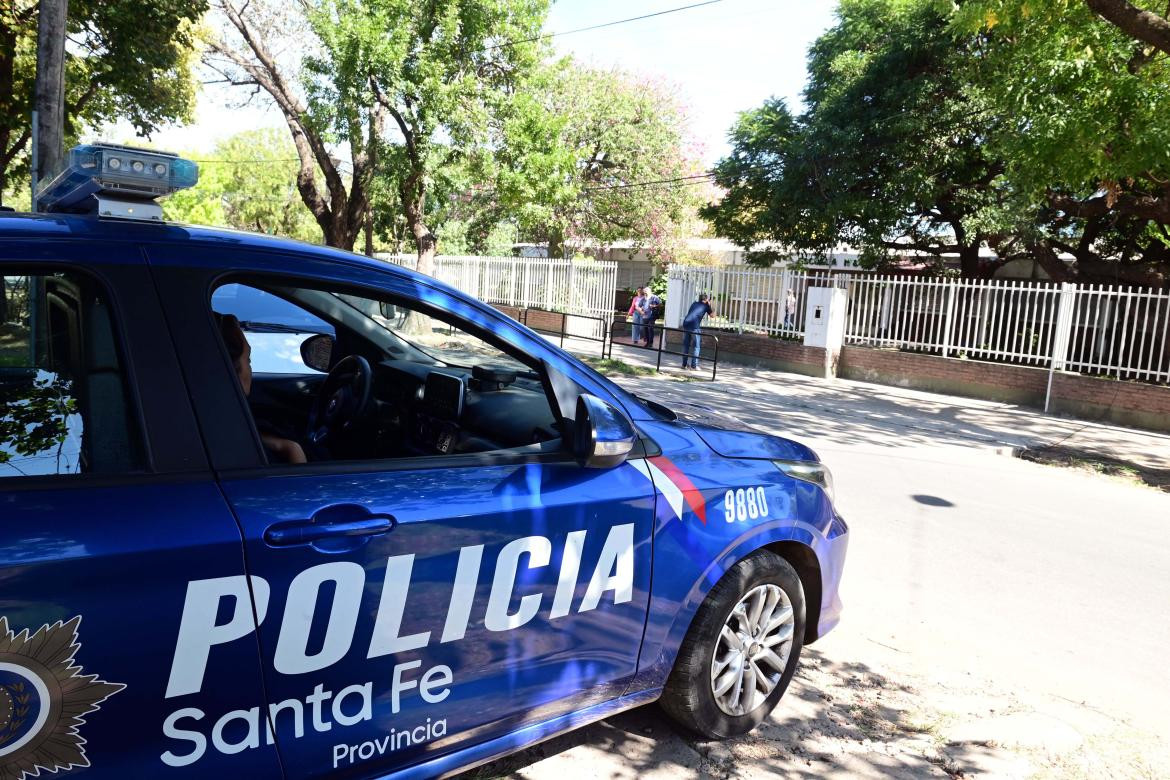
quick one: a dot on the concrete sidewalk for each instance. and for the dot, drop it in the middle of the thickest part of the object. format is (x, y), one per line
(841, 412)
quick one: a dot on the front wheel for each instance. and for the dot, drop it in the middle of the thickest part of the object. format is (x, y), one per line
(741, 650)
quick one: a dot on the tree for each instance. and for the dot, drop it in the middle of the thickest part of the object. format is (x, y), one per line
(244, 52)
(1087, 126)
(440, 70)
(124, 60)
(1139, 23)
(889, 155)
(600, 155)
(249, 184)
(430, 73)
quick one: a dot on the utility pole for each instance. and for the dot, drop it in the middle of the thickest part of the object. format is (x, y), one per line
(49, 94)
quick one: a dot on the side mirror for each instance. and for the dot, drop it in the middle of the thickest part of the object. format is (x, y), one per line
(602, 436)
(317, 351)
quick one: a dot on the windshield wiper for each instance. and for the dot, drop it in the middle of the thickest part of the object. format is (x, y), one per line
(271, 327)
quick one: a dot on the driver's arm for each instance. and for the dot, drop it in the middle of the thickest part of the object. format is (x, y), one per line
(286, 450)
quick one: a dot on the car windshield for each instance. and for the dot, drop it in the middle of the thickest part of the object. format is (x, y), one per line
(431, 338)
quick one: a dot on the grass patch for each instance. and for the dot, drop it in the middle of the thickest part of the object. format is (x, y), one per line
(615, 366)
(612, 366)
(1098, 464)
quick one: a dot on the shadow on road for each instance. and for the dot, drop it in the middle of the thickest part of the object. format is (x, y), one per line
(836, 718)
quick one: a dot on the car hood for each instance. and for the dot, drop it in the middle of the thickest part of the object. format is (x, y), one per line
(733, 438)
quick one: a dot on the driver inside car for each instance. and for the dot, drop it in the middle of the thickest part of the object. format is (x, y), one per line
(278, 448)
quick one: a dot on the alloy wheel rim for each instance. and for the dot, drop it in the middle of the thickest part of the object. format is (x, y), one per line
(752, 650)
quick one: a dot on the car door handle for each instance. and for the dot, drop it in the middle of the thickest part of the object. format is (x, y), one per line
(308, 532)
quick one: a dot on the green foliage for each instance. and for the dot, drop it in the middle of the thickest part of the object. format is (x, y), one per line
(573, 139)
(888, 155)
(251, 185)
(127, 60)
(463, 237)
(658, 284)
(34, 417)
(1082, 109)
(439, 70)
(1085, 132)
(1032, 127)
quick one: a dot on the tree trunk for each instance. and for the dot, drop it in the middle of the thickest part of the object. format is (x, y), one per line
(1046, 256)
(1145, 26)
(426, 245)
(49, 94)
(556, 243)
(969, 262)
(369, 230)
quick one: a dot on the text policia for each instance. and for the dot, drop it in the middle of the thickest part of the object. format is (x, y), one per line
(200, 632)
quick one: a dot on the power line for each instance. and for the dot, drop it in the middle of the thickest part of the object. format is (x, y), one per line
(697, 178)
(603, 25)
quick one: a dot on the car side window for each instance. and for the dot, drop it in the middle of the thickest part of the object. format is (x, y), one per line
(64, 401)
(404, 381)
(275, 327)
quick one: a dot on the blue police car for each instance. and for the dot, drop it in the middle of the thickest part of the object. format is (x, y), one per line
(273, 510)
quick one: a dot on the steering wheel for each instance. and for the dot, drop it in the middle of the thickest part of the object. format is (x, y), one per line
(344, 398)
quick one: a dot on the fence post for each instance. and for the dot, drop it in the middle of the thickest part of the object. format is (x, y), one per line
(1060, 337)
(948, 318)
(743, 300)
(570, 298)
(548, 287)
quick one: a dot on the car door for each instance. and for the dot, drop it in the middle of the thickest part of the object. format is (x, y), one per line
(114, 537)
(456, 598)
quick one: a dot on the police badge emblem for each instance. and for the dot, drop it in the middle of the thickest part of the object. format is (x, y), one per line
(44, 698)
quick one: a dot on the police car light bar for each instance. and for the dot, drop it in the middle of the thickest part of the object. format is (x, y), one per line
(111, 180)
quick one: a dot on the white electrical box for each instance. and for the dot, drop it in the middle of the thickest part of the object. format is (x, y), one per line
(824, 318)
(680, 294)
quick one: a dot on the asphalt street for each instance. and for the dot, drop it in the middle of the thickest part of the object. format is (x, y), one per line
(966, 559)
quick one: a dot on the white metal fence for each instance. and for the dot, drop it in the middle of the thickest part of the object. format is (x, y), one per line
(1095, 329)
(576, 287)
(751, 299)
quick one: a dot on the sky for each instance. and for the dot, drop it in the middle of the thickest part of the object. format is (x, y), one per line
(723, 58)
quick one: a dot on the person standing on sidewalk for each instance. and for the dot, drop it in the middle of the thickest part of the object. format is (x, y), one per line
(651, 304)
(636, 312)
(692, 324)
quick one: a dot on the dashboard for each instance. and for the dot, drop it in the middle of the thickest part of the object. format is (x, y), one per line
(447, 409)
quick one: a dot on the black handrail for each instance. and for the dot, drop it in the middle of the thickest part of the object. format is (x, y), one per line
(661, 349)
(522, 318)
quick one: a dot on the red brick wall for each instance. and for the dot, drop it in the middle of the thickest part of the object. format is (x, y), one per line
(1126, 403)
(546, 321)
(538, 319)
(507, 311)
(933, 372)
(754, 348)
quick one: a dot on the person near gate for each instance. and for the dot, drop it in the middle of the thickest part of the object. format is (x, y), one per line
(692, 324)
(790, 309)
(636, 312)
(651, 307)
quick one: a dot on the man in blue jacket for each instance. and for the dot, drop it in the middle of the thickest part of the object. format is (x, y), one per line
(691, 325)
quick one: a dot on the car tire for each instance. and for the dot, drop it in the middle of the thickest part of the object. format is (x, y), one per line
(690, 696)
